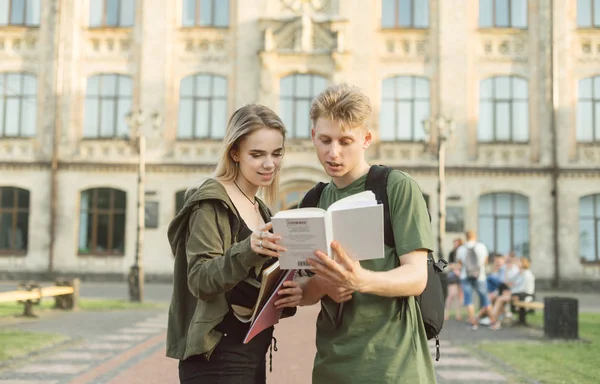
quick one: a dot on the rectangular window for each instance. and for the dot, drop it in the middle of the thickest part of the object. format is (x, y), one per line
(503, 13)
(112, 13)
(405, 13)
(205, 13)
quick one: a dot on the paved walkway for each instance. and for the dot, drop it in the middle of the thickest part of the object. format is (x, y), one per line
(127, 347)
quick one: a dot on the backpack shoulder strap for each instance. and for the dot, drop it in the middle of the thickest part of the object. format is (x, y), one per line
(311, 199)
(377, 183)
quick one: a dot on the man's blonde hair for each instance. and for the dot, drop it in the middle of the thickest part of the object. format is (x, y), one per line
(343, 103)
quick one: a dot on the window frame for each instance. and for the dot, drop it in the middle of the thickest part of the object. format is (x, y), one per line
(99, 98)
(495, 25)
(512, 100)
(24, 24)
(595, 102)
(104, 24)
(14, 211)
(22, 98)
(595, 24)
(294, 99)
(512, 216)
(93, 211)
(412, 25)
(595, 218)
(413, 102)
(195, 98)
(198, 14)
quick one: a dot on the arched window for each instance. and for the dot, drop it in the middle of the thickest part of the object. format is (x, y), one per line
(504, 222)
(296, 93)
(589, 228)
(404, 105)
(588, 109)
(202, 107)
(205, 13)
(23, 13)
(14, 220)
(503, 13)
(503, 110)
(107, 102)
(102, 221)
(405, 13)
(112, 13)
(18, 104)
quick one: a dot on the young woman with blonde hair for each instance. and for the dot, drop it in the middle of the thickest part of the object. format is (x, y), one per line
(222, 241)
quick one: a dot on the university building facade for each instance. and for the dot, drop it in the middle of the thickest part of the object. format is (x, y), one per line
(519, 79)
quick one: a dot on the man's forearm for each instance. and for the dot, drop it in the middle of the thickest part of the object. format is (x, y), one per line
(312, 290)
(407, 280)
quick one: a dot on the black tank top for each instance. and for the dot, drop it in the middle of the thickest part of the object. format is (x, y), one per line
(243, 293)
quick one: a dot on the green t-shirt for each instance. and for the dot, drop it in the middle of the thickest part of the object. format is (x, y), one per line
(380, 339)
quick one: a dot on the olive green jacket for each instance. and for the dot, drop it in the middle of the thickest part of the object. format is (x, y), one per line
(208, 262)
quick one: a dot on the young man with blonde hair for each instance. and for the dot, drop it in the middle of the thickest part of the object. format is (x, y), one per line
(378, 336)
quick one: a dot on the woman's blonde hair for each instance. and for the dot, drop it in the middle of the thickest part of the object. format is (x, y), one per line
(245, 121)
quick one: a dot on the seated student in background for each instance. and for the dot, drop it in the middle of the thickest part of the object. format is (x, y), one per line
(523, 289)
(220, 241)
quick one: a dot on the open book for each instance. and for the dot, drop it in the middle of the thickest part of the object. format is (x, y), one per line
(265, 314)
(356, 222)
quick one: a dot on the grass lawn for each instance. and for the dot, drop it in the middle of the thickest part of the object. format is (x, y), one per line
(555, 362)
(11, 309)
(15, 343)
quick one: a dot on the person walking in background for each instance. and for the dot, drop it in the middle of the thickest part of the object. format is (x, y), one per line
(221, 244)
(472, 257)
(453, 279)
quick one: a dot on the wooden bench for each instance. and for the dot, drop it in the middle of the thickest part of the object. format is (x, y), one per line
(65, 293)
(525, 307)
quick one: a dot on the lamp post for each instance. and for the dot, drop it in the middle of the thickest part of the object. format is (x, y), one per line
(137, 140)
(444, 127)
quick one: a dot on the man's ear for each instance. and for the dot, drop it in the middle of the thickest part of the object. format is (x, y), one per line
(312, 134)
(368, 139)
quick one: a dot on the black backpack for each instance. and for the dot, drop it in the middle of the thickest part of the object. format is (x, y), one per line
(431, 301)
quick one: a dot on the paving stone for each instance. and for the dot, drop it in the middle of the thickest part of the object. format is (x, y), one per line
(58, 368)
(139, 330)
(107, 346)
(76, 355)
(459, 362)
(123, 337)
(470, 374)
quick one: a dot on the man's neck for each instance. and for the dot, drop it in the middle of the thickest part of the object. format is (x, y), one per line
(352, 176)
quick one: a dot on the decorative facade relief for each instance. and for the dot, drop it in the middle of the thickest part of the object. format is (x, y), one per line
(101, 150)
(587, 47)
(21, 149)
(210, 45)
(503, 47)
(197, 152)
(405, 46)
(308, 31)
(19, 42)
(503, 154)
(400, 153)
(108, 43)
(588, 155)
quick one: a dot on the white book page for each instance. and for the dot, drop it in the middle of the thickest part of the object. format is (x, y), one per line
(360, 232)
(356, 200)
(301, 236)
(301, 212)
